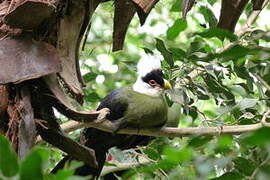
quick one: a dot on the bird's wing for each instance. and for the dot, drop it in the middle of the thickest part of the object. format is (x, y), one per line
(116, 103)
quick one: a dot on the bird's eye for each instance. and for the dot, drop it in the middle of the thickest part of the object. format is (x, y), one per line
(152, 82)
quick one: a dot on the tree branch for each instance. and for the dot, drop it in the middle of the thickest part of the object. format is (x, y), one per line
(243, 30)
(165, 131)
(106, 125)
(251, 19)
(124, 166)
(265, 116)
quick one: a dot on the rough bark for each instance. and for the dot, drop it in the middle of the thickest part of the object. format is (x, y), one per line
(23, 58)
(27, 127)
(3, 108)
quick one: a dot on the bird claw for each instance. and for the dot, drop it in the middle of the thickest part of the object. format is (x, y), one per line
(102, 115)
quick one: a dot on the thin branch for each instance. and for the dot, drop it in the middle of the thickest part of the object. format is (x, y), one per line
(107, 126)
(124, 166)
(258, 168)
(251, 19)
(176, 132)
(243, 30)
(165, 131)
(265, 116)
(263, 81)
(247, 26)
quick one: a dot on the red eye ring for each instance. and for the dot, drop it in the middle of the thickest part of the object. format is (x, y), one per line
(152, 82)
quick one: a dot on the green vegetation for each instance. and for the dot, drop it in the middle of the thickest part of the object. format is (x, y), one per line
(220, 78)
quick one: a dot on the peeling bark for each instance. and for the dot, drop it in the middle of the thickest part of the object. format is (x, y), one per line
(22, 58)
(27, 127)
(70, 32)
(146, 5)
(3, 99)
(3, 108)
(143, 8)
(29, 14)
(61, 102)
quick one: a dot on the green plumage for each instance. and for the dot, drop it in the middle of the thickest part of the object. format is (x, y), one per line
(142, 110)
(173, 115)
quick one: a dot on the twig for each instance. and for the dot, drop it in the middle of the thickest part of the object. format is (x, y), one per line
(10, 6)
(243, 30)
(262, 81)
(251, 19)
(166, 132)
(107, 126)
(257, 169)
(124, 166)
(247, 26)
(263, 121)
(162, 132)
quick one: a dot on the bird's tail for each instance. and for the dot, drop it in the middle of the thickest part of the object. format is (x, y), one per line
(101, 142)
(94, 139)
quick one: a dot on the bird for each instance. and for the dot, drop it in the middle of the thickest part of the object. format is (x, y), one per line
(141, 105)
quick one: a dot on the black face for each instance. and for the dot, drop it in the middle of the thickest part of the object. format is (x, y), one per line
(154, 78)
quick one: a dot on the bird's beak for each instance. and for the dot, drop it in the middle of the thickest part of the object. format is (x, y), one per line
(167, 84)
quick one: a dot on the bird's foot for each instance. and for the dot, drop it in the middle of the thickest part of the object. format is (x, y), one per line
(102, 115)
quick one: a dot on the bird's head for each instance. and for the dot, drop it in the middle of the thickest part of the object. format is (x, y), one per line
(150, 79)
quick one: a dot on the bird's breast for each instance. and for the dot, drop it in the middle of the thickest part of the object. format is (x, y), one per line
(146, 111)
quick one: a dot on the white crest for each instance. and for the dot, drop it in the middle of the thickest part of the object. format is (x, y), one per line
(147, 63)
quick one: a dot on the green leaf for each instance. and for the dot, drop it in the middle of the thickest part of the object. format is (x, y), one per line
(89, 77)
(201, 93)
(8, 158)
(178, 26)
(243, 73)
(176, 156)
(178, 53)
(235, 52)
(63, 174)
(258, 138)
(215, 87)
(244, 166)
(196, 46)
(209, 16)
(193, 112)
(91, 96)
(165, 53)
(110, 164)
(229, 176)
(199, 141)
(31, 167)
(246, 103)
(148, 51)
(224, 143)
(152, 153)
(212, 2)
(218, 33)
(177, 6)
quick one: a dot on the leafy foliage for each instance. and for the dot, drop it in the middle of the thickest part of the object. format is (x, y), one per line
(220, 79)
(33, 167)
